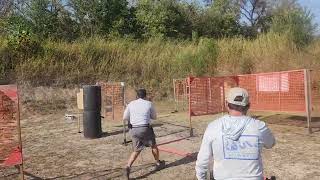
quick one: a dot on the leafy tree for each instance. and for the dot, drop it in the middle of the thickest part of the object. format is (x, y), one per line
(44, 18)
(6, 7)
(163, 18)
(101, 16)
(50, 19)
(221, 19)
(295, 23)
(70, 19)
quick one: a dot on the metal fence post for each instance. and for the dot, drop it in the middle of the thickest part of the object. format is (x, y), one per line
(307, 88)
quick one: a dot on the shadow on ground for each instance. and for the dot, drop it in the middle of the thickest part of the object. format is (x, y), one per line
(185, 160)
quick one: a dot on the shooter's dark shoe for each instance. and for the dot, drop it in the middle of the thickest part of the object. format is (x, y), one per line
(127, 172)
(160, 165)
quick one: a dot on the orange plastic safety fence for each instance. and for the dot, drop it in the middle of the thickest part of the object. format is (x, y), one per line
(207, 94)
(10, 152)
(276, 91)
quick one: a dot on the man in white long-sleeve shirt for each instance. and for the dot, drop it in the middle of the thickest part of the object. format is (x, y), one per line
(235, 142)
(139, 114)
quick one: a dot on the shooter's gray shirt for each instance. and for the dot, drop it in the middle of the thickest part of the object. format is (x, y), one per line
(235, 143)
(139, 112)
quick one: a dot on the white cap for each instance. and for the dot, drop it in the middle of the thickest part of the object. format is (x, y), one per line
(234, 94)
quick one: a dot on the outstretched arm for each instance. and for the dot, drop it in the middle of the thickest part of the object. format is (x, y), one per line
(266, 136)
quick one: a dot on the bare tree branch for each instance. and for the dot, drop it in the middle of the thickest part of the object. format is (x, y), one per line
(253, 10)
(245, 15)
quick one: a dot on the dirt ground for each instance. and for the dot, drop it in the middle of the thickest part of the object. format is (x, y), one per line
(53, 148)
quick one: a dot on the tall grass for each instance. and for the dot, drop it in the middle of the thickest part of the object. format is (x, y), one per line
(270, 52)
(154, 63)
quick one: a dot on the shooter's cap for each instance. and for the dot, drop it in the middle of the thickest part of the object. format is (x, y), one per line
(238, 96)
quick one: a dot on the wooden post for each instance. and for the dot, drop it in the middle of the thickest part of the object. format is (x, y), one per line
(185, 95)
(257, 88)
(80, 108)
(112, 103)
(279, 93)
(79, 116)
(104, 96)
(206, 94)
(191, 129)
(190, 122)
(174, 95)
(124, 121)
(19, 136)
(307, 89)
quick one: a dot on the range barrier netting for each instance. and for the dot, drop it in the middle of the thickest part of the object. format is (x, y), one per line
(112, 95)
(10, 150)
(276, 91)
(206, 94)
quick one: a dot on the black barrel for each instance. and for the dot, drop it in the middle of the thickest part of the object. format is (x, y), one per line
(92, 124)
(92, 98)
(91, 114)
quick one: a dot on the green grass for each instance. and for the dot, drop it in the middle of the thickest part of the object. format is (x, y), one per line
(153, 63)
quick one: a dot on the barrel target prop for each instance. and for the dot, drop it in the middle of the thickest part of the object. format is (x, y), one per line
(92, 111)
(91, 103)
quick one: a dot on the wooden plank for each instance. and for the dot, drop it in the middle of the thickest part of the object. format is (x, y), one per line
(112, 101)
(174, 96)
(124, 107)
(80, 99)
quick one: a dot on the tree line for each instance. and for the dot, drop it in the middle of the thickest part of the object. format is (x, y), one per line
(140, 19)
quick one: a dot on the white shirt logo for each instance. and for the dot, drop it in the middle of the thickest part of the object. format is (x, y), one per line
(246, 148)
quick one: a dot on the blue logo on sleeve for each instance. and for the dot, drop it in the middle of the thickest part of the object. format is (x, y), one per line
(246, 148)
